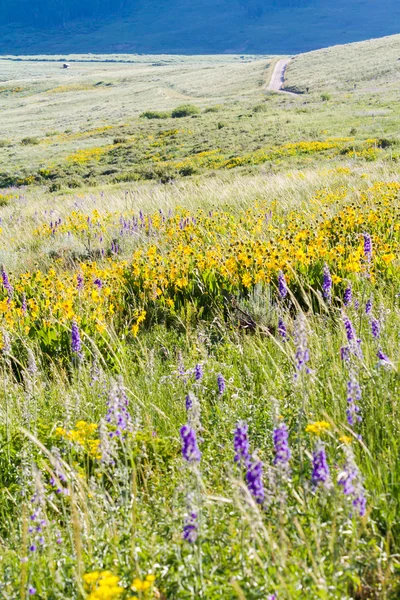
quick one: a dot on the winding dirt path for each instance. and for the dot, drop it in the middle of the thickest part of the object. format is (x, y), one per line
(278, 76)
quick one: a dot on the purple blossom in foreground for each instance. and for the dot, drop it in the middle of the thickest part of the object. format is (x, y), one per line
(221, 384)
(190, 449)
(273, 597)
(350, 333)
(384, 360)
(320, 472)
(76, 343)
(351, 482)
(282, 287)
(198, 372)
(353, 398)
(24, 305)
(367, 246)
(241, 443)
(375, 328)
(190, 528)
(6, 283)
(302, 352)
(98, 283)
(327, 284)
(282, 329)
(348, 295)
(354, 343)
(345, 353)
(368, 306)
(280, 438)
(31, 590)
(254, 479)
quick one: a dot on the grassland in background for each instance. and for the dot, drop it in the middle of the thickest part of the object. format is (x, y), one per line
(141, 292)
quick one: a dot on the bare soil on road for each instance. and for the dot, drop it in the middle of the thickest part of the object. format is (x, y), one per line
(278, 76)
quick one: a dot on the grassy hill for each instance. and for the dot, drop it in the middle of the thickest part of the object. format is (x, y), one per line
(240, 26)
(199, 327)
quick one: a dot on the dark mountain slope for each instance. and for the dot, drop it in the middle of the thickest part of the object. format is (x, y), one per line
(184, 26)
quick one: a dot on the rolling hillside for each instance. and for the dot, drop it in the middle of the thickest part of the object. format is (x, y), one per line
(179, 26)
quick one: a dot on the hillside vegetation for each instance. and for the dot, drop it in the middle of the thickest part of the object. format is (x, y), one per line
(199, 329)
(180, 26)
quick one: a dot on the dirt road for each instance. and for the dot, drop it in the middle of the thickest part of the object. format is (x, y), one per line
(278, 76)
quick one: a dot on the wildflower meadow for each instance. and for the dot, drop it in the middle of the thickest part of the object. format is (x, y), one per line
(200, 380)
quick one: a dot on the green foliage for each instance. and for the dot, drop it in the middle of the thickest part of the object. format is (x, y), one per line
(30, 141)
(155, 114)
(185, 110)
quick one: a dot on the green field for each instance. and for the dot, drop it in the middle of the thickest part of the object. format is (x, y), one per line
(199, 327)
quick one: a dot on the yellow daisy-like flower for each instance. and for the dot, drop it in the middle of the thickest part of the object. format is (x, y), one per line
(346, 439)
(318, 427)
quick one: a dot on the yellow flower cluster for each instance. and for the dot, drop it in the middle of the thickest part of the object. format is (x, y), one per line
(144, 585)
(318, 427)
(83, 436)
(102, 585)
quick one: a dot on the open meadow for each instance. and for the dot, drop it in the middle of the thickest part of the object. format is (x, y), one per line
(200, 327)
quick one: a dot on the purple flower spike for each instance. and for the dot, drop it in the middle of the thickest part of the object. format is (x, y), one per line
(6, 283)
(282, 329)
(76, 343)
(280, 438)
(190, 449)
(368, 306)
(254, 481)
(320, 473)
(375, 328)
(190, 529)
(327, 284)
(79, 281)
(241, 443)
(188, 402)
(353, 398)
(350, 480)
(198, 372)
(348, 295)
(221, 384)
(282, 287)
(367, 246)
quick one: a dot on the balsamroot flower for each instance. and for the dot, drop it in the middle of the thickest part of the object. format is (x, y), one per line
(282, 287)
(190, 449)
(327, 284)
(282, 452)
(241, 443)
(254, 480)
(320, 472)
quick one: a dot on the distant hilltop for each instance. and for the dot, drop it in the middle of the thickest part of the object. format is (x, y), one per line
(187, 27)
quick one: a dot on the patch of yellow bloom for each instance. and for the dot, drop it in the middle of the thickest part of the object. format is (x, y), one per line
(102, 585)
(318, 427)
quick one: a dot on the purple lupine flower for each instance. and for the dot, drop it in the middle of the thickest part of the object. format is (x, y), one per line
(76, 343)
(190, 449)
(221, 384)
(302, 352)
(350, 480)
(118, 415)
(79, 281)
(190, 528)
(198, 372)
(353, 398)
(367, 246)
(24, 305)
(320, 473)
(241, 443)
(345, 353)
(282, 329)
(31, 590)
(350, 333)
(254, 479)
(375, 328)
(98, 283)
(280, 438)
(368, 306)
(273, 597)
(282, 287)
(188, 402)
(384, 360)
(348, 295)
(327, 284)
(6, 283)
